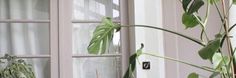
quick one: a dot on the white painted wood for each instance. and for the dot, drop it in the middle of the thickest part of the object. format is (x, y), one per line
(125, 45)
(103, 55)
(65, 39)
(91, 21)
(54, 41)
(24, 21)
(28, 56)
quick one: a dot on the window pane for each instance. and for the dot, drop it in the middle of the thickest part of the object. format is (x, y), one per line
(24, 38)
(82, 34)
(95, 9)
(24, 9)
(100, 67)
(41, 67)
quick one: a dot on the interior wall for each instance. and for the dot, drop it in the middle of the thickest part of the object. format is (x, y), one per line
(148, 12)
(232, 21)
(181, 48)
(168, 14)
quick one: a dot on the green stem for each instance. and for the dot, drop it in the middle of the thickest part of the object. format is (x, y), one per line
(172, 59)
(218, 11)
(166, 30)
(202, 25)
(225, 62)
(226, 25)
(224, 37)
(207, 12)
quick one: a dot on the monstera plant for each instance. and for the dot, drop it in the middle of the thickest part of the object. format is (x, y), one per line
(223, 61)
(10, 67)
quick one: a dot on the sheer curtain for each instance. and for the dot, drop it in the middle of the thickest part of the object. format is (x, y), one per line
(26, 38)
(93, 67)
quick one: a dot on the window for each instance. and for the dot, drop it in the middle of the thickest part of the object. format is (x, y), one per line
(86, 16)
(25, 31)
(53, 36)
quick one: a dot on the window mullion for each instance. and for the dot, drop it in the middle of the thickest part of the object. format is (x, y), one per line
(24, 21)
(29, 56)
(65, 39)
(125, 41)
(91, 21)
(54, 49)
(103, 55)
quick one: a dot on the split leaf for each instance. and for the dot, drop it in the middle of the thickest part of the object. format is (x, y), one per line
(102, 36)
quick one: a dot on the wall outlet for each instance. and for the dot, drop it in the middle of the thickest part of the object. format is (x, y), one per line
(146, 65)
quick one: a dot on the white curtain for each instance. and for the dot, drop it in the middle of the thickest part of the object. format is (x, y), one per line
(26, 38)
(99, 67)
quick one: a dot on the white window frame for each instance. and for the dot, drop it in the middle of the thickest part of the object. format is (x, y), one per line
(65, 40)
(60, 26)
(53, 28)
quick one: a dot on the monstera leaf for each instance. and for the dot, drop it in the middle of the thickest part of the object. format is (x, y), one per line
(102, 36)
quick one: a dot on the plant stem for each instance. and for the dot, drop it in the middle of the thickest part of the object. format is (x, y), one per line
(202, 25)
(207, 13)
(166, 30)
(172, 59)
(206, 18)
(229, 46)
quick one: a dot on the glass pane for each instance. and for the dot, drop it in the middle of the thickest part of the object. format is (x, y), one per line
(24, 9)
(99, 67)
(82, 34)
(41, 67)
(24, 38)
(95, 9)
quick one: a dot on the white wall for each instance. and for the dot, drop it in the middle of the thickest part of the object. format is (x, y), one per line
(182, 48)
(232, 22)
(167, 14)
(148, 12)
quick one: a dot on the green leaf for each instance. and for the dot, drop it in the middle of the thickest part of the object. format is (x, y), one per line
(195, 6)
(209, 50)
(234, 2)
(216, 60)
(185, 4)
(193, 75)
(214, 1)
(189, 20)
(213, 75)
(234, 55)
(132, 62)
(102, 36)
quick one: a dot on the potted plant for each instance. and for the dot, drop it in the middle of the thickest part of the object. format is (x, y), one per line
(223, 62)
(10, 67)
